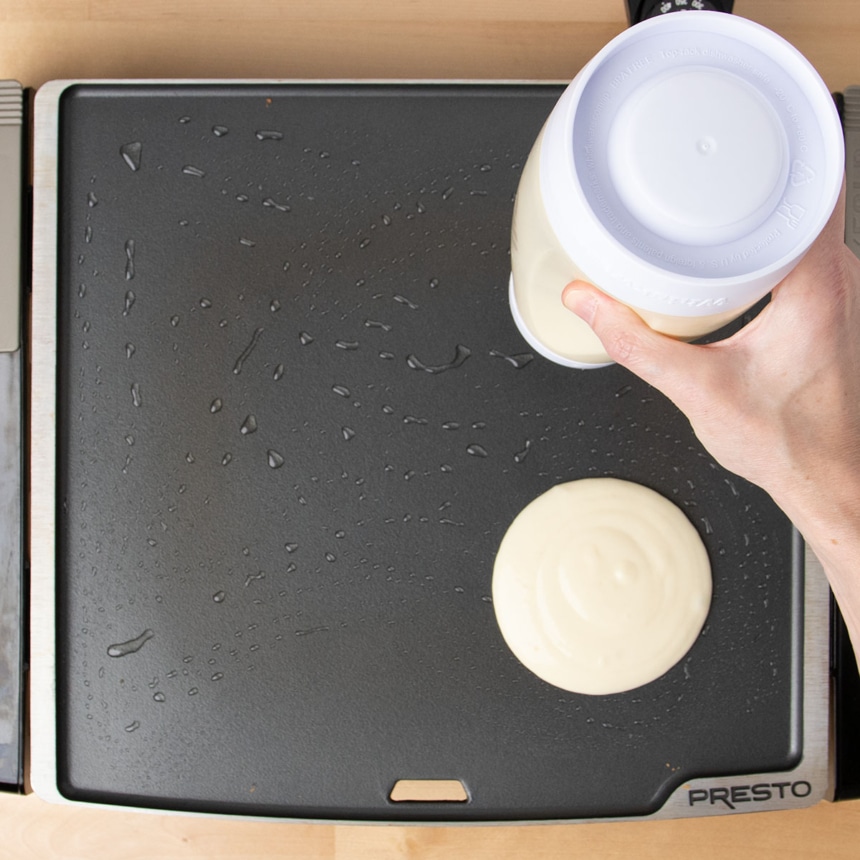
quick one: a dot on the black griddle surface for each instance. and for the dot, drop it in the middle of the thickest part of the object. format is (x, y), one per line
(295, 419)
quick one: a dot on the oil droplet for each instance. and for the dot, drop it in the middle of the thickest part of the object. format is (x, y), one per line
(240, 361)
(477, 451)
(135, 394)
(275, 460)
(270, 203)
(518, 361)
(269, 135)
(305, 338)
(159, 697)
(216, 405)
(461, 354)
(348, 433)
(341, 390)
(131, 153)
(129, 303)
(219, 130)
(132, 727)
(249, 425)
(123, 649)
(279, 372)
(191, 170)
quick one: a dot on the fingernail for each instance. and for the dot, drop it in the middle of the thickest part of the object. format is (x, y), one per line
(581, 301)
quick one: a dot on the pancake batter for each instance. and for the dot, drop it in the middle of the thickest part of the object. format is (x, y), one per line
(601, 585)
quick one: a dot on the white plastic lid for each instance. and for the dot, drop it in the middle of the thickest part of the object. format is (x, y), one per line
(691, 163)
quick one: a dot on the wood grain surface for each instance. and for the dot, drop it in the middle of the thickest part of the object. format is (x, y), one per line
(41, 40)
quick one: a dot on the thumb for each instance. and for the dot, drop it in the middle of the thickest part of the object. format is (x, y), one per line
(629, 341)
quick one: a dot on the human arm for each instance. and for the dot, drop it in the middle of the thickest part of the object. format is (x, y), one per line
(778, 402)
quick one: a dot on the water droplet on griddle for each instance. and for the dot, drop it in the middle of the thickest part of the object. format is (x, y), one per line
(88, 234)
(275, 460)
(341, 390)
(217, 676)
(305, 338)
(270, 203)
(279, 372)
(518, 361)
(205, 303)
(348, 433)
(123, 649)
(159, 697)
(132, 727)
(364, 242)
(135, 394)
(447, 192)
(249, 425)
(191, 170)
(269, 135)
(461, 354)
(219, 130)
(227, 459)
(92, 200)
(216, 405)
(130, 350)
(521, 455)
(129, 259)
(347, 344)
(477, 451)
(131, 153)
(275, 306)
(404, 301)
(240, 361)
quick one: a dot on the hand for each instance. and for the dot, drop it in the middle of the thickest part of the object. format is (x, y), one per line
(778, 402)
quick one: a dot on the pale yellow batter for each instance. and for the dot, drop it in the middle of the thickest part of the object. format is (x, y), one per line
(601, 585)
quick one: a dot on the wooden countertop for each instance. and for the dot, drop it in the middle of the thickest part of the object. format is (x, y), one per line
(42, 40)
